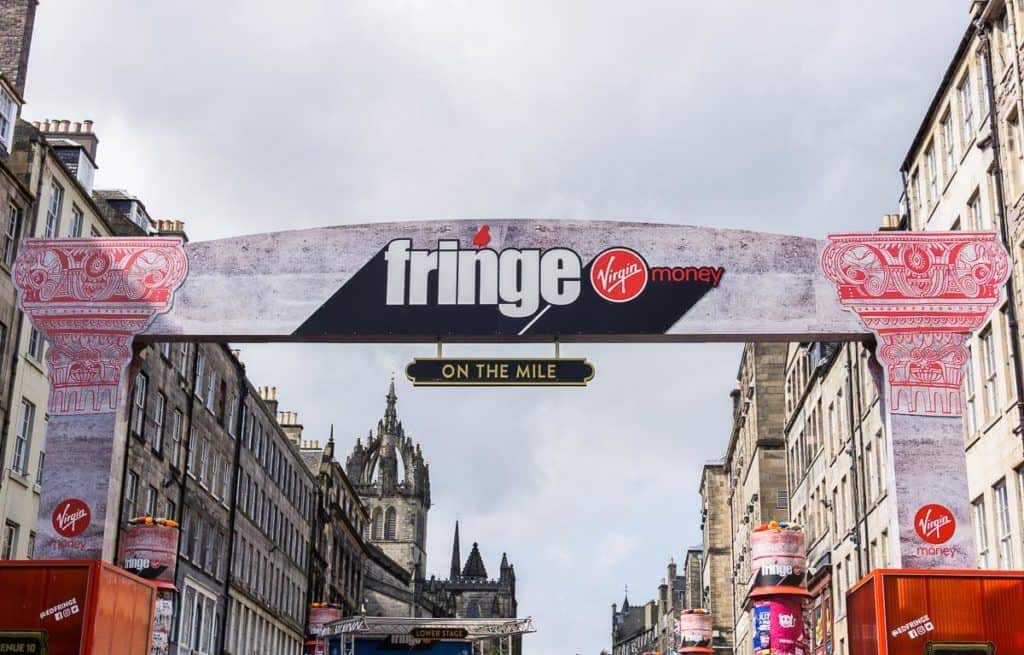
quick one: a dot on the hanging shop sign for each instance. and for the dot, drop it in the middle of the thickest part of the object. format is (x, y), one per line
(23, 642)
(439, 633)
(500, 372)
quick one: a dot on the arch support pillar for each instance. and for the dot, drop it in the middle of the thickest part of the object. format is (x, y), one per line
(90, 297)
(922, 294)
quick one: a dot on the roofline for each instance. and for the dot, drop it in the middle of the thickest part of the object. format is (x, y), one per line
(933, 107)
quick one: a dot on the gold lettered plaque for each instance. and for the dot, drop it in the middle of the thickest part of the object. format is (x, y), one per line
(499, 372)
(23, 642)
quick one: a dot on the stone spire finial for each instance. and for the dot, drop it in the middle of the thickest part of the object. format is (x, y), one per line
(456, 556)
(390, 413)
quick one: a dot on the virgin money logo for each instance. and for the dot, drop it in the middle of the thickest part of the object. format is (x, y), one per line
(934, 524)
(71, 517)
(619, 274)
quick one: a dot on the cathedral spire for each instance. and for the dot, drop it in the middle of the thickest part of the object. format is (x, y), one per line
(390, 413)
(456, 557)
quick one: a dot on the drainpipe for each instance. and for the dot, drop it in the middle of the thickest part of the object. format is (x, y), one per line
(851, 451)
(233, 499)
(188, 449)
(1004, 230)
(866, 550)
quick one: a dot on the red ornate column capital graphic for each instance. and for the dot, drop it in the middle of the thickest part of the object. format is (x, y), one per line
(90, 297)
(922, 294)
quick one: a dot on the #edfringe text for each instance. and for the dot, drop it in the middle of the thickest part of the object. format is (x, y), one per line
(62, 611)
(915, 628)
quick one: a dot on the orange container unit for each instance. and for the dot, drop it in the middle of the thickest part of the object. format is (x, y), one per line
(935, 612)
(83, 607)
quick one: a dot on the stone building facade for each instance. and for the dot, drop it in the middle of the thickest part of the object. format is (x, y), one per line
(755, 461)
(339, 552)
(716, 576)
(652, 626)
(837, 476)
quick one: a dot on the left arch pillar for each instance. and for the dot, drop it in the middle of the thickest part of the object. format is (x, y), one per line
(90, 297)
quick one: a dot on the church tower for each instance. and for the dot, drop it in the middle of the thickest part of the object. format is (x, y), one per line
(391, 477)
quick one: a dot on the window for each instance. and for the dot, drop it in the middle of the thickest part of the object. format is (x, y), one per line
(390, 523)
(165, 350)
(211, 389)
(35, 345)
(183, 359)
(52, 230)
(170, 510)
(782, 499)
(151, 501)
(8, 115)
(77, 221)
(200, 365)
(971, 415)
(131, 494)
(10, 244)
(23, 438)
(39, 468)
(225, 481)
(31, 545)
(139, 406)
(979, 219)
(981, 532)
(158, 421)
(1003, 525)
(176, 419)
(966, 96)
(933, 176)
(204, 460)
(198, 626)
(1013, 153)
(190, 466)
(378, 524)
(915, 193)
(10, 540)
(983, 86)
(949, 145)
(988, 348)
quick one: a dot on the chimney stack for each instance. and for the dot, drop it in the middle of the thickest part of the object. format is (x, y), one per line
(169, 228)
(17, 18)
(80, 132)
(289, 422)
(269, 396)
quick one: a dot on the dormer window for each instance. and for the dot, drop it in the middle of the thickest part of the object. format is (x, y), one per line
(8, 116)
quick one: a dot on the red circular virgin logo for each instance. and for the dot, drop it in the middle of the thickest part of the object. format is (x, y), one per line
(619, 274)
(71, 517)
(935, 524)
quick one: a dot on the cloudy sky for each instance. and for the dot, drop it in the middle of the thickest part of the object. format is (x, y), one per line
(243, 117)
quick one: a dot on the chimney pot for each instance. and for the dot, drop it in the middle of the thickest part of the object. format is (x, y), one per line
(87, 126)
(65, 125)
(76, 126)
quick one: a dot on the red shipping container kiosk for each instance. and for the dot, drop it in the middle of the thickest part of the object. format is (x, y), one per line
(78, 607)
(936, 612)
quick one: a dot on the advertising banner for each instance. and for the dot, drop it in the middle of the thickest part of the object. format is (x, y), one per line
(778, 560)
(695, 628)
(786, 625)
(528, 279)
(150, 550)
(320, 615)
